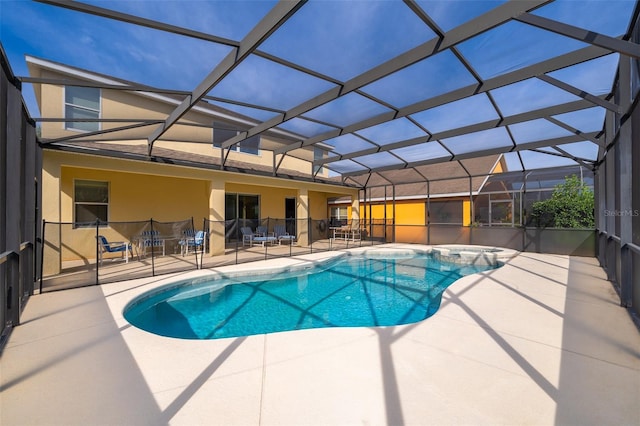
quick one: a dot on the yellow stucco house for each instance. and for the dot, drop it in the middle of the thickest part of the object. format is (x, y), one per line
(117, 180)
(441, 199)
(97, 165)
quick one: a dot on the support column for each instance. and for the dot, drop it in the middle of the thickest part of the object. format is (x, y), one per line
(216, 217)
(51, 207)
(625, 172)
(355, 208)
(302, 214)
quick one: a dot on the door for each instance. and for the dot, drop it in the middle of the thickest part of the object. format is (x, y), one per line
(241, 210)
(290, 215)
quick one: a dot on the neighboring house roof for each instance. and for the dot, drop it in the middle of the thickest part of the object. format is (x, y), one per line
(450, 179)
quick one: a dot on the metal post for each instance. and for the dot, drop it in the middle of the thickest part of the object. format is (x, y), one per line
(625, 173)
(153, 264)
(384, 215)
(393, 236)
(97, 252)
(471, 210)
(13, 296)
(44, 222)
(523, 193)
(428, 213)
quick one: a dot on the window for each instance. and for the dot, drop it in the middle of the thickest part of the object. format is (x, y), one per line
(338, 216)
(318, 154)
(241, 206)
(241, 210)
(222, 133)
(91, 202)
(445, 212)
(501, 212)
(82, 102)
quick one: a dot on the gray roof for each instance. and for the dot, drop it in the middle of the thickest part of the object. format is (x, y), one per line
(451, 179)
(183, 158)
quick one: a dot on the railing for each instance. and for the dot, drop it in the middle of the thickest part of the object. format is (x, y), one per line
(16, 284)
(634, 248)
(72, 254)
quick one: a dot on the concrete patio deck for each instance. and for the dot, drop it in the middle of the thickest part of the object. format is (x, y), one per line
(540, 341)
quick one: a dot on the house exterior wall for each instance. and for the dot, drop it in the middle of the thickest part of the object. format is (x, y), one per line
(318, 205)
(271, 199)
(126, 105)
(139, 191)
(407, 212)
(140, 197)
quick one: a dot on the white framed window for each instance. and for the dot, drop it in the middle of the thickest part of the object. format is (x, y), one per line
(339, 216)
(91, 202)
(339, 213)
(222, 132)
(81, 102)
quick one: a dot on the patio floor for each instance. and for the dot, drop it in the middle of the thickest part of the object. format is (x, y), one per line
(83, 272)
(540, 341)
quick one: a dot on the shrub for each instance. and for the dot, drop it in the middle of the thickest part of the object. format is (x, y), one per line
(571, 206)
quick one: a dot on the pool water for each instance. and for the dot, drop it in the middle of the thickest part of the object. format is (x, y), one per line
(350, 292)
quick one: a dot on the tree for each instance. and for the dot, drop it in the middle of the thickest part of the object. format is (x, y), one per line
(571, 206)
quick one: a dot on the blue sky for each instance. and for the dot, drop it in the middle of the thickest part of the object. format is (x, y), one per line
(338, 39)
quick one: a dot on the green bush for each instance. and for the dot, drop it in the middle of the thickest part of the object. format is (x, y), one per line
(571, 206)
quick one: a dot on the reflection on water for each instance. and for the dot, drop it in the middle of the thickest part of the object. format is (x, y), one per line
(352, 292)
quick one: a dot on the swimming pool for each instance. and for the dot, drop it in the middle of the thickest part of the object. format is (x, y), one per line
(352, 291)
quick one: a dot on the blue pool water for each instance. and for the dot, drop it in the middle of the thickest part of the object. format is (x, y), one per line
(349, 292)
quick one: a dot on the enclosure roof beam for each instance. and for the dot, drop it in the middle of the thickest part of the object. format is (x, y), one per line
(611, 43)
(269, 24)
(514, 119)
(98, 132)
(575, 131)
(137, 20)
(572, 58)
(581, 161)
(581, 93)
(485, 22)
(480, 153)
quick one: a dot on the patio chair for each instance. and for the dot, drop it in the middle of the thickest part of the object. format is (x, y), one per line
(248, 236)
(122, 247)
(150, 240)
(262, 231)
(281, 234)
(192, 241)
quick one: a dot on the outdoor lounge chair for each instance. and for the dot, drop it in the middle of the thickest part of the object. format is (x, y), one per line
(248, 236)
(350, 231)
(149, 241)
(281, 234)
(192, 241)
(262, 231)
(122, 247)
